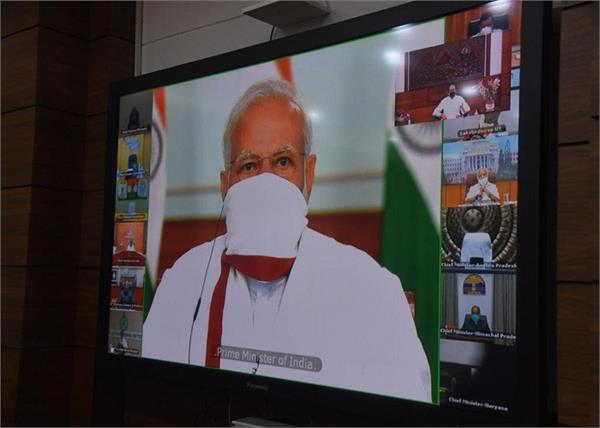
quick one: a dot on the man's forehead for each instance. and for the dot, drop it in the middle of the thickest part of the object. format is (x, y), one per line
(284, 148)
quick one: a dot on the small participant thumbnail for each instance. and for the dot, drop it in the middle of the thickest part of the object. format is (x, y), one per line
(480, 236)
(479, 305)
(131, 207)
(453, 80)
(127, 288)
(125, 333)
(129, 242)
(481, 168)
(130, 236)
(133, 164)
(477, 376)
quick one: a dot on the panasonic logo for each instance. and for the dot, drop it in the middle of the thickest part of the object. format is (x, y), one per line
(257, 386)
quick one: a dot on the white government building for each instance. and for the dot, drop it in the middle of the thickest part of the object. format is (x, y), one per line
(476, 154)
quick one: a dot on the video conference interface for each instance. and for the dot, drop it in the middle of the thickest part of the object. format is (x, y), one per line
(444, 93)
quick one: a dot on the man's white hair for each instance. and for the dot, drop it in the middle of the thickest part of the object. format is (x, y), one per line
(264, 89)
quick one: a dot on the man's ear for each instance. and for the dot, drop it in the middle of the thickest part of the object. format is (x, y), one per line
(311, 163)
(224, 183)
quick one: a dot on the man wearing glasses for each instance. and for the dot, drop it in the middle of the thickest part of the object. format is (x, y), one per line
(273, 297)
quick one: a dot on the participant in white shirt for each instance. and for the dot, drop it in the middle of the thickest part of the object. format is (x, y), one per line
(476, 245)
(483, 191)
(273, 297)
(486, 25)
(452, 106)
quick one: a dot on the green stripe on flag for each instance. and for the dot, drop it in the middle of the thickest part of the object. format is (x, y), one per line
(410, 248)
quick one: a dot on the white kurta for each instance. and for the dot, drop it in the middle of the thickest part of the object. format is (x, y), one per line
(452, 107)
(477, 244)
(338, 305)
(485, 198)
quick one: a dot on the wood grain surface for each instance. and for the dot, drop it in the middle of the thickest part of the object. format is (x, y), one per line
(19, 69)
(18, 138)
(577, 217)
(57, 60)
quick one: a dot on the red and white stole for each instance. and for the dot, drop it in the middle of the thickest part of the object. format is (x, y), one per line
(265, 217)
(262, 268)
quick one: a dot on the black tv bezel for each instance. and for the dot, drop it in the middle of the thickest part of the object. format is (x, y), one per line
(535, 404)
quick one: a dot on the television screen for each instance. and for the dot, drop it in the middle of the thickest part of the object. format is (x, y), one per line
(344, 217)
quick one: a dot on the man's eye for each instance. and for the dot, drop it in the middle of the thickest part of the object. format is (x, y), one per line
(283, 162)
(248, 166)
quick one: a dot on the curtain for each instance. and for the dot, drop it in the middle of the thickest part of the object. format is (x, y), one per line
(449, 300)
(505, 304)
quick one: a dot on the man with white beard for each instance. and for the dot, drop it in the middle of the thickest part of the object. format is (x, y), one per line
(483, 191)
(272, 296)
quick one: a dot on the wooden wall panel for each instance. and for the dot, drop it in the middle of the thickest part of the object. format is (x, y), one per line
(82, 386)
(18, 136)
(49, 307)
(579, 39)
(576, 258)
(112, 18)
(110, 59)
(11, 358)
(594, 181)
(91, 229)
(13, 302)
(62, 76)
(87, 307)
(19, 70)
(577, 339)
(18, 16)
(59, 141)
(44, 386)
(95, 152)
(69, 17)
(59, 149)
(49, 303)
(594, 84)
(577, 217)
(55, 228)
(16, 208)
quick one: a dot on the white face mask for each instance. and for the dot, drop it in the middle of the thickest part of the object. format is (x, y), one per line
(265, 216)
(486, 30)
(483, 181)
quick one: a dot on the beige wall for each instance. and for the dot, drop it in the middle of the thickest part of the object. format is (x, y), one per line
(173, 33)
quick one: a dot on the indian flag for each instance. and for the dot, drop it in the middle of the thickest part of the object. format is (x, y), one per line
(411, 244)
(158, 187)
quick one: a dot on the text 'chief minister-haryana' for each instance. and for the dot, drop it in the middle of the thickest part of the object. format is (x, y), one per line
(274, 285)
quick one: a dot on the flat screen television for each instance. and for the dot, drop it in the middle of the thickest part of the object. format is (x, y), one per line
(358, 215)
